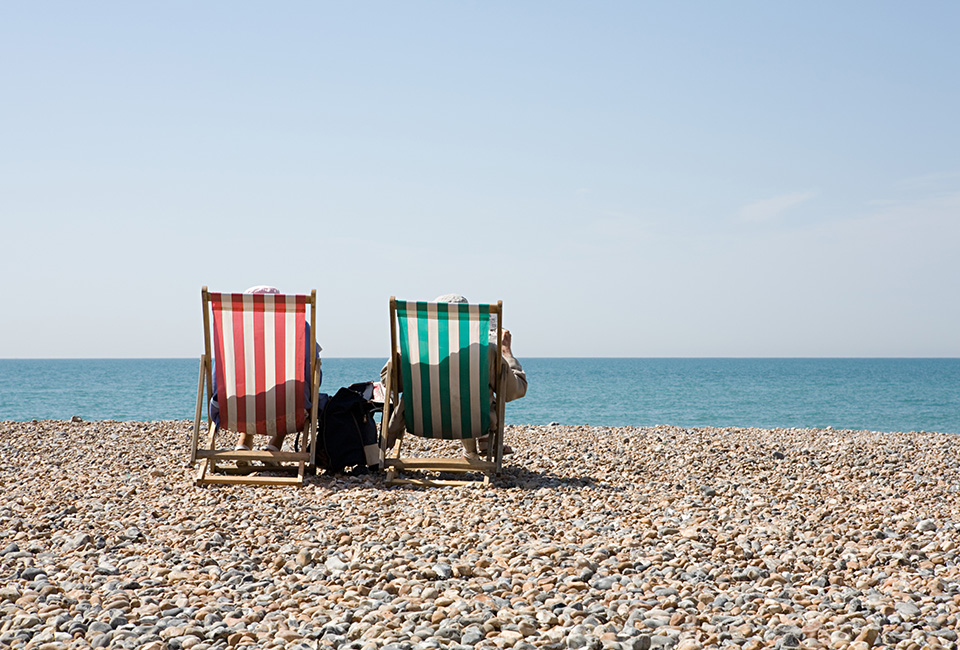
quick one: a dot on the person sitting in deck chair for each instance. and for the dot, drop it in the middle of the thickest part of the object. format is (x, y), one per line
(514, 387)
(276, 442)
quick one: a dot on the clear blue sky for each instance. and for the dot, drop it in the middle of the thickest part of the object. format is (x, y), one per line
(630, 178)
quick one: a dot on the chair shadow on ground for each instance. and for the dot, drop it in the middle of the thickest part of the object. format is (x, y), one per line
(520, 477)
(513, 476)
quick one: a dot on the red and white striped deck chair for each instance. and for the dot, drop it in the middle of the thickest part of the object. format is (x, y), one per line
(257, 352)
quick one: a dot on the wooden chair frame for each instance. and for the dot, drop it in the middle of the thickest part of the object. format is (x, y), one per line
(390, 454)
(209, 456)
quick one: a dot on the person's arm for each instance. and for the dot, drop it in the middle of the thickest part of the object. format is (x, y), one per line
(514, 379)
(214, 407)
(307, 402)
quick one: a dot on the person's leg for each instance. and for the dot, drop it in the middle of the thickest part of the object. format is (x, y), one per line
(470, 448)
(244, 443)
(276, 443)
(484, 445)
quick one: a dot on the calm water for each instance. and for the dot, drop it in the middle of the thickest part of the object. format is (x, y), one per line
(874, 394)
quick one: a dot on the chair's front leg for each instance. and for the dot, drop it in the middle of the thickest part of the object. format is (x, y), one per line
(207, 464)
(387, 412)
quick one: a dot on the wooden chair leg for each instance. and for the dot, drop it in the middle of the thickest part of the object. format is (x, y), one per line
(205, 464)
(397, 444)
(195, 439)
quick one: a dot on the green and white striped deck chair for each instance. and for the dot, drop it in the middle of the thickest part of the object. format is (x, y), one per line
(440, 362)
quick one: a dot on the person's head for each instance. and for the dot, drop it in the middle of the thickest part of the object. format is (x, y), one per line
(262, 288)
(456, 297)
(450, 297)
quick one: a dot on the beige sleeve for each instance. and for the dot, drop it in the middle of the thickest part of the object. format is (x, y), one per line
(514, 379)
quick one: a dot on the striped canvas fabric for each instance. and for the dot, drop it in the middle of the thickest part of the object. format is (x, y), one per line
(444, 366)
(259, 344)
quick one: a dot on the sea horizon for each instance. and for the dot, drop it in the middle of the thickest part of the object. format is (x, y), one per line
(859, 393)
(197, 358)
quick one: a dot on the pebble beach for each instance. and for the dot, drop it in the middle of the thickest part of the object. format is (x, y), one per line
(594, 537)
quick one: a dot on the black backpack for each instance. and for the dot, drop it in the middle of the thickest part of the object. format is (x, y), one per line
(347, 431)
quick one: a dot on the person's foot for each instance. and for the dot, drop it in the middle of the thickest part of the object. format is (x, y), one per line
(270, 463)
(240, 462)
(483, 446)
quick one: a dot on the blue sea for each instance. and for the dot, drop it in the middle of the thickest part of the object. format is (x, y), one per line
(872, 394)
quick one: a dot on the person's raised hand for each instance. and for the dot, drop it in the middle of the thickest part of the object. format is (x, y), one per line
(505, 341)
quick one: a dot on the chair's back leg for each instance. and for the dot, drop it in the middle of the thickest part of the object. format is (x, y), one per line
(195, 439)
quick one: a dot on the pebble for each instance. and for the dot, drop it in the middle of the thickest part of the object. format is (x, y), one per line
(630, 538)
(927, 525)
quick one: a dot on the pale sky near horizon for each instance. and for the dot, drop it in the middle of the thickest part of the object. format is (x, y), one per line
(631, 178)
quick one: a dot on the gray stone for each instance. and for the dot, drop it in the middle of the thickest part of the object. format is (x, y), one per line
(60, 622)
(927, 525)
(99, 627)
(76, 542)
(604, 583)
(639, 642)
(32, 573)
(449, 633)
(107, 569)
(133, 534)
(790, 641)
(666, 591)
(76, 627)
(782, 630)
(471, 636)
(144, 639)
(907, 610)
(586, 641)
